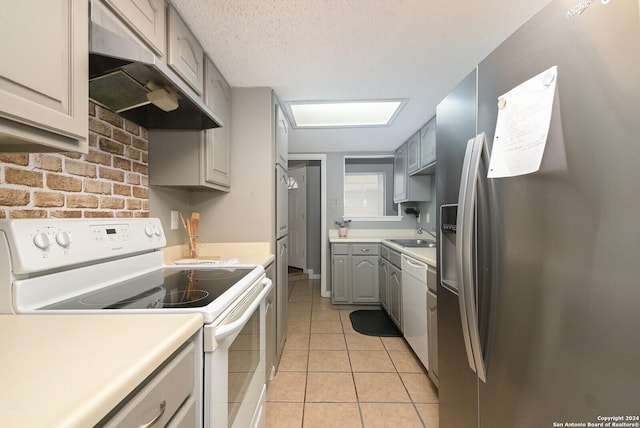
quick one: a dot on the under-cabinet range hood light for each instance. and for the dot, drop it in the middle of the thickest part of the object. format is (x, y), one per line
(129, 79)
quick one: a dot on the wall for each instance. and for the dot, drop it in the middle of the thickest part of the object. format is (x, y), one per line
(313, 217)
(247, 213)
(110, 181)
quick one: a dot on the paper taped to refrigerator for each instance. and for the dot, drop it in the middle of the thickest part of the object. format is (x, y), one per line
(524, 115)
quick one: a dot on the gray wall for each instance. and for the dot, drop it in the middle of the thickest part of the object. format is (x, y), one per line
(247, 213)
(161, 202)
(313, 217)
(429, 207)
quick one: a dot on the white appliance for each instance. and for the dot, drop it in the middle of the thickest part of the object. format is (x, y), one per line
(414, 306)
(95, 265)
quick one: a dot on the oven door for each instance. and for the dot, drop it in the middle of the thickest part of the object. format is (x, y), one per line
(234, 362)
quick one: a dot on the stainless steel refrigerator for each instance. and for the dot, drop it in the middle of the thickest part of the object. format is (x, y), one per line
(549, 262)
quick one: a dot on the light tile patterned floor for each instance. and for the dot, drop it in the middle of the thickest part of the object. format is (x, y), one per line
(332, 376)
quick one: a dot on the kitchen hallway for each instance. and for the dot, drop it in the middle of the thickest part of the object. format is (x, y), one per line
(332, 376)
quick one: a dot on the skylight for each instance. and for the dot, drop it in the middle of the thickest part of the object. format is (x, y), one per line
(339, 114)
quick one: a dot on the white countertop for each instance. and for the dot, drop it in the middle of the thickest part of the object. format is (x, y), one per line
(71, 370)
(427, 255)
(249, 253)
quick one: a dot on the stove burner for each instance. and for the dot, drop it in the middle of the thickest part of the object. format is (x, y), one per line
(176, 299)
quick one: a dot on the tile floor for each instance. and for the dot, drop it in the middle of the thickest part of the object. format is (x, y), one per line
(332, 376)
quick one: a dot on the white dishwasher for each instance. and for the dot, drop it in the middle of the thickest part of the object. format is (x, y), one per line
(414, 306)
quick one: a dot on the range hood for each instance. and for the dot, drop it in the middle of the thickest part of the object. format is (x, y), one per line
(129, 79)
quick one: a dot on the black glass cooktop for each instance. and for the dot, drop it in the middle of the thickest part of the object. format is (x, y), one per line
(164, 288)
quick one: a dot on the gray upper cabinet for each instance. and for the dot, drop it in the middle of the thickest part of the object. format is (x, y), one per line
(400, 174)
(147, 18)
(195, 159)
(282, 138)
(408, 188)
(413, 153)
(428, 143)
(186, 56)
(282, 200)
(43, 75)
(218, 99)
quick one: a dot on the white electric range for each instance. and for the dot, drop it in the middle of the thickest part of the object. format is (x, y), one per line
(117, 266)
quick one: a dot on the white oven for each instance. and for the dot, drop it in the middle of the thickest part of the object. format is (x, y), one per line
(117, 266)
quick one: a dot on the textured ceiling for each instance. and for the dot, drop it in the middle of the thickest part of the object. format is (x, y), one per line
(353, 49)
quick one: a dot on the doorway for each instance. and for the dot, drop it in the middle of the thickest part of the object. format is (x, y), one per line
(315, 215)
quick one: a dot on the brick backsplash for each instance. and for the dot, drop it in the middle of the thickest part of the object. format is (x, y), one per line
(110, 181)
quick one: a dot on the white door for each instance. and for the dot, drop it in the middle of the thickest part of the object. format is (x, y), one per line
(298, 217)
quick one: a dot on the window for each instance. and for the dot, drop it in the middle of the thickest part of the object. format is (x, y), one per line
(368, 188)
(364, 194)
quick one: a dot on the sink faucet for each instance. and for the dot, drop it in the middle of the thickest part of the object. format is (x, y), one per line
(430, 232)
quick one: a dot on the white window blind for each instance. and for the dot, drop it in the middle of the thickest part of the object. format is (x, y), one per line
(364, 194)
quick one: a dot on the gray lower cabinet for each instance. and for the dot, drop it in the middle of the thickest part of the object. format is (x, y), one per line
(340, 273)
(383, 283)
(270, 317)
(354, 274)
(390, 280)
(395, 295)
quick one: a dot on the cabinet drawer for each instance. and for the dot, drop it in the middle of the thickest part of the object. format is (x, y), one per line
(171, 386)
(395, 258)
(186, 416)
(384, 252)
(364, 249)
(340, 249)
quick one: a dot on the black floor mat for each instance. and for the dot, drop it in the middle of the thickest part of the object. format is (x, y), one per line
(373, 323)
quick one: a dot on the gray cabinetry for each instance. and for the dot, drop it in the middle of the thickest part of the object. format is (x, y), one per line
(195, 159)
(408, 188)
(162, 394)
(364, 271)
(282, 138)
(428, 143)
(186, 56)
(340, 273)
(383, 282)
(413, 153)
(43, 75)
(270, 327)
(282, 293)
(395, 295)
(390, 280)
(354, 274)
(217, 96)
(147, 18)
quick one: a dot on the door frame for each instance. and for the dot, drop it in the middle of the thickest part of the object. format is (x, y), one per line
(322, 157)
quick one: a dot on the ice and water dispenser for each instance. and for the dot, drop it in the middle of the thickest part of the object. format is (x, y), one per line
(448, 270)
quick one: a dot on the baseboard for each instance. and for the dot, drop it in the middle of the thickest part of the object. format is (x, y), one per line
(311, 274)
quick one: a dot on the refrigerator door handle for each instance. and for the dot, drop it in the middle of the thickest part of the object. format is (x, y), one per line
(461, 237)
(477, 149)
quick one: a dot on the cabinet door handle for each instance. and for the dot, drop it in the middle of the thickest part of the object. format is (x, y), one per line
(364, 250)
(163, 407)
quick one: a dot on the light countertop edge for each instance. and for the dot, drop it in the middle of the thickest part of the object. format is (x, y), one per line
(72, 370)
(426, 255)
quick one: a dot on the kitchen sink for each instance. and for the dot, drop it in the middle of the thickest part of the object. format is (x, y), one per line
(423, 243)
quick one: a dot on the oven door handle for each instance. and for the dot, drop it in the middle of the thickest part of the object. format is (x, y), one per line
(225, 330)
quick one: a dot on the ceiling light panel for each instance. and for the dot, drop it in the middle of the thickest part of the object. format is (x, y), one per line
(333, 114)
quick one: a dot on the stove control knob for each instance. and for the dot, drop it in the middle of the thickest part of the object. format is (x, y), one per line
(63, 239)
(41, 240)
(157, 231)
(148, 230)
